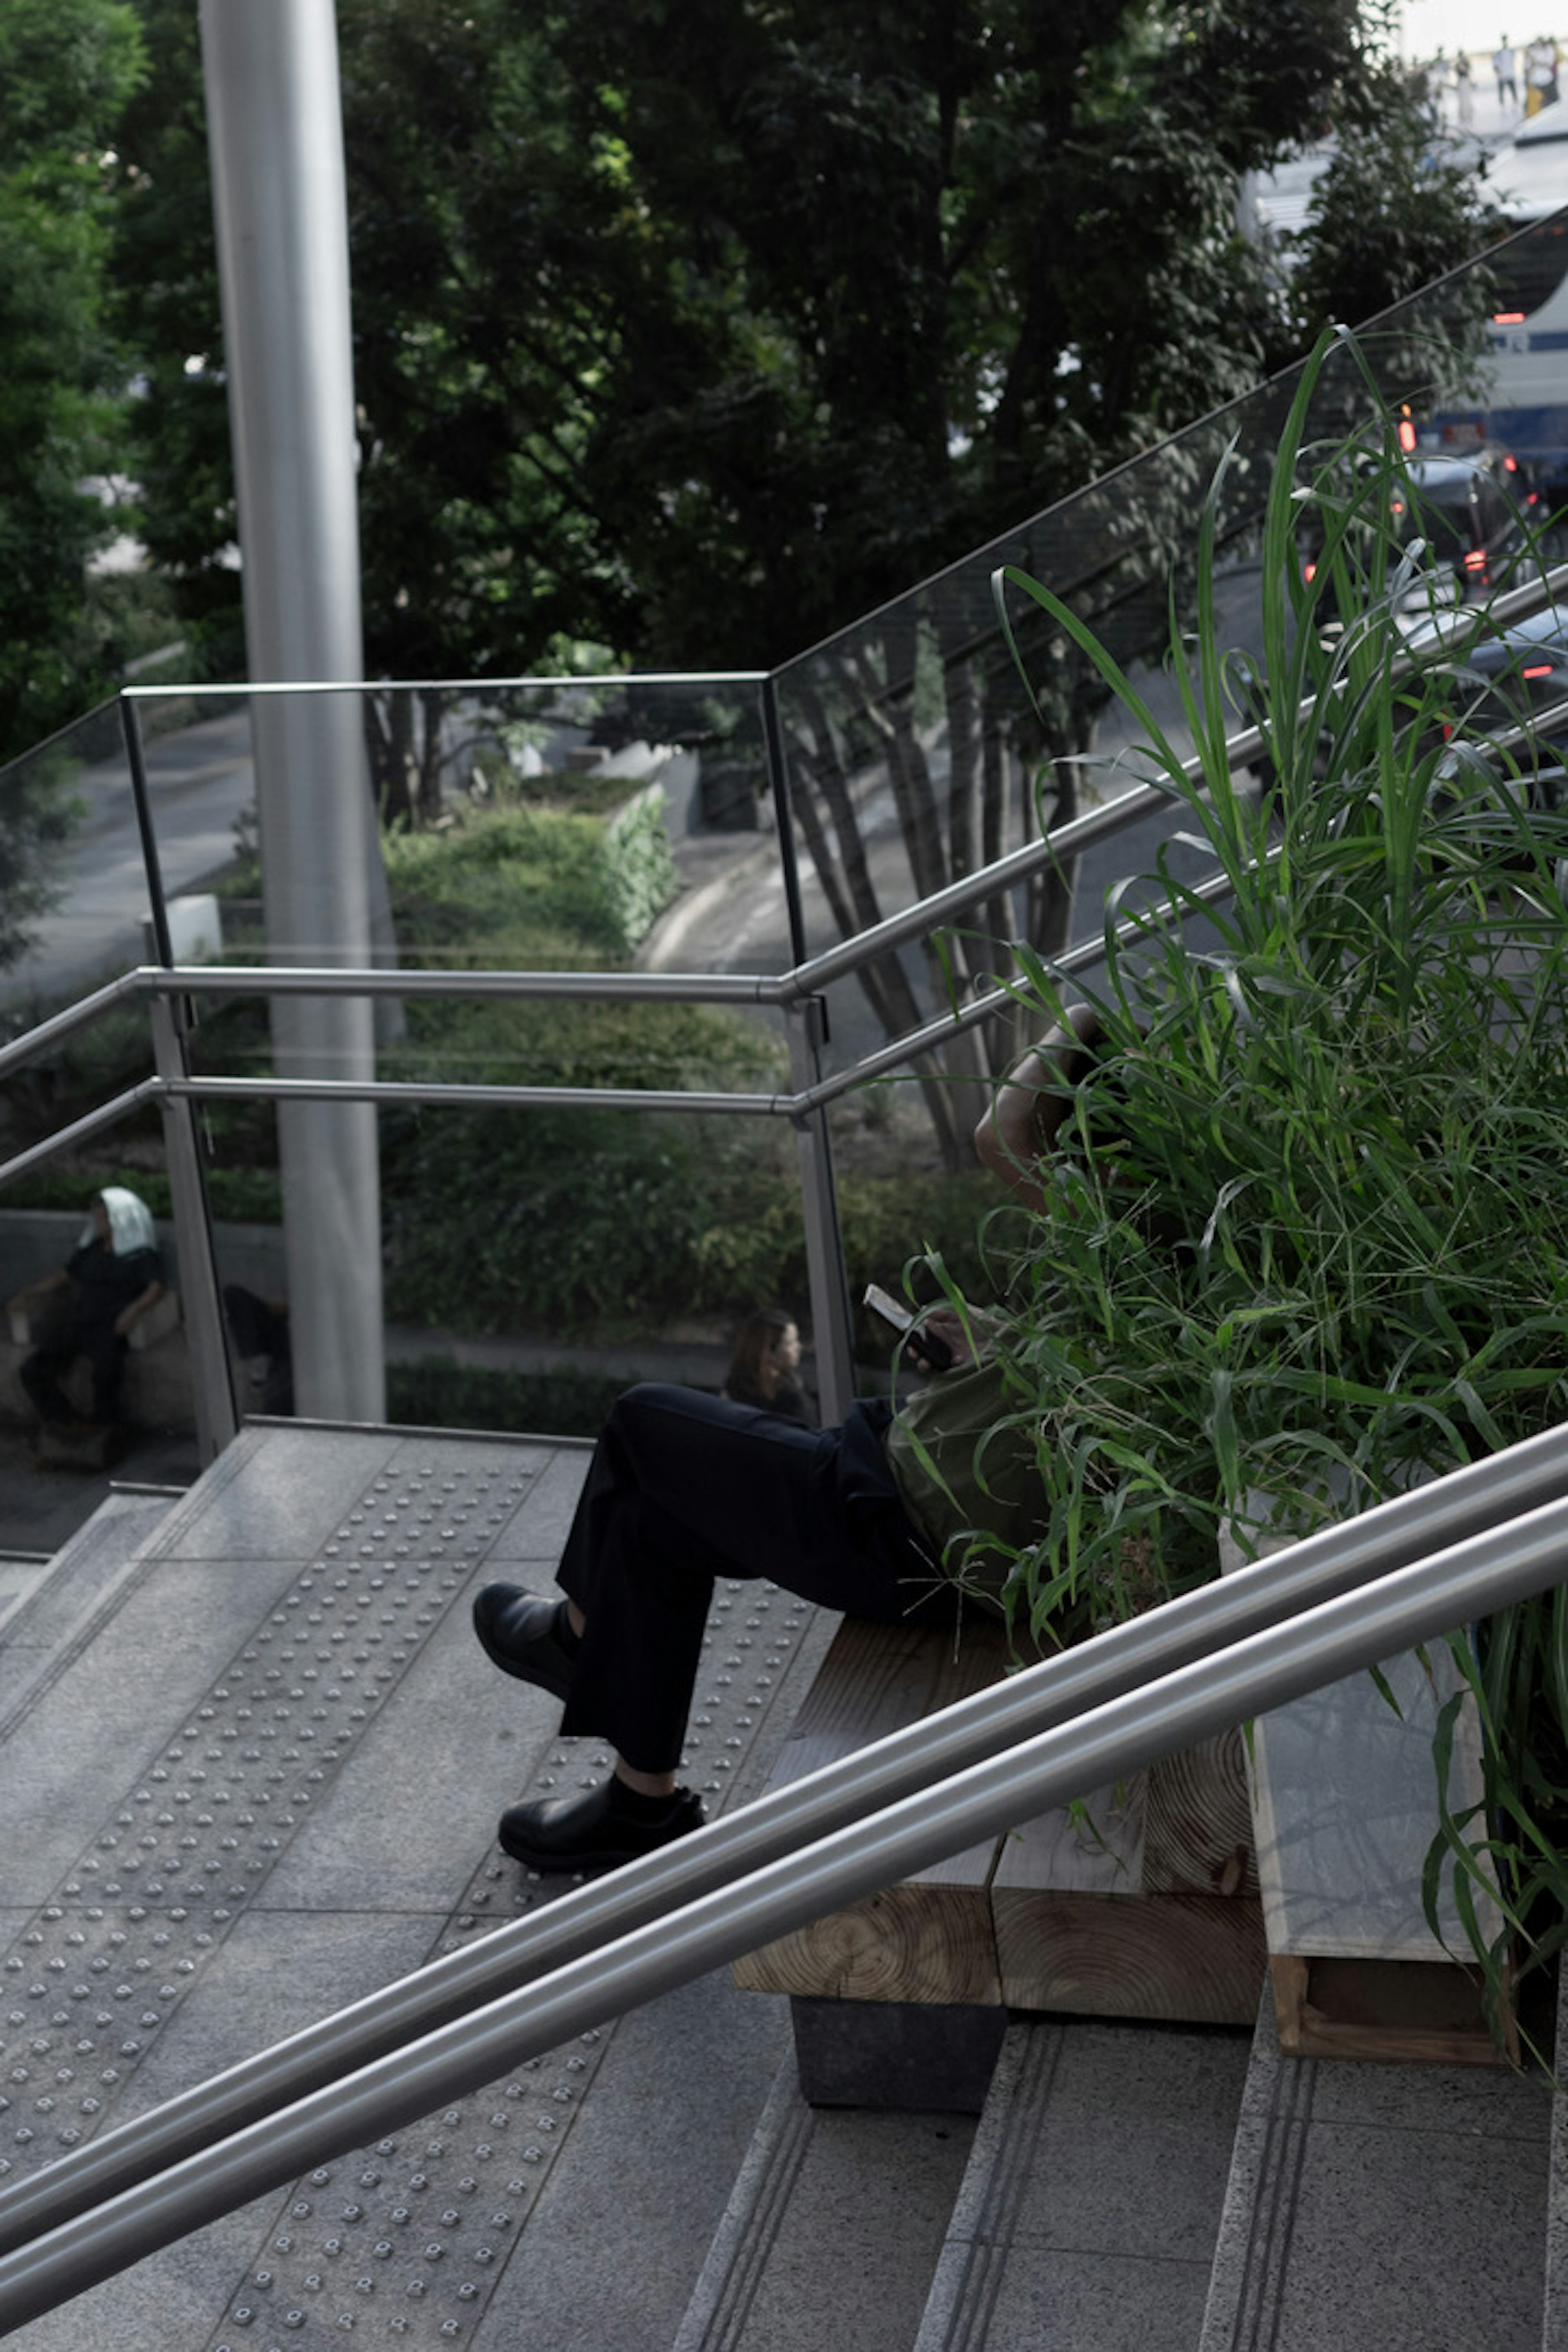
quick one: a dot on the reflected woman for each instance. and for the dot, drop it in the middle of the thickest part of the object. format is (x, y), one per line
(763, 1368)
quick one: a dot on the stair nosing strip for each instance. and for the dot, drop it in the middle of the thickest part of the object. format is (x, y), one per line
(748, 2227)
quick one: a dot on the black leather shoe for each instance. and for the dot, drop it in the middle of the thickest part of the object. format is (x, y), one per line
(597, 1832)
(526, 1635)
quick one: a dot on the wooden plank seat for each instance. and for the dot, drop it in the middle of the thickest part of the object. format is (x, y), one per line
(1141, 1901)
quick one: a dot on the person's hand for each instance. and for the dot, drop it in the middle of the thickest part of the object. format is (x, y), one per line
(125, 1319)
(945, 1323)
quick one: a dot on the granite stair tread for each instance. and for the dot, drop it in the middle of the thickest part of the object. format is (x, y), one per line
(1400, 2206)
(253, 1761)
(257, 1776)
(832, 2230)
(1089, 2211)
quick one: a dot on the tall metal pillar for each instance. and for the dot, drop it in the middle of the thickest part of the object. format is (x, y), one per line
(275, 131)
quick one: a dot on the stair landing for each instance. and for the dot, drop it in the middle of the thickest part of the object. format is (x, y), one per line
(255, 1774)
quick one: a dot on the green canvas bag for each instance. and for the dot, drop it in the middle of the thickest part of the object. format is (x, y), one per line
(963, 1459)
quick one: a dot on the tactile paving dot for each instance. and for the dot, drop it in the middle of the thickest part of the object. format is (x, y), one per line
(402, 2244)
(405, 2293)
(97, 1973)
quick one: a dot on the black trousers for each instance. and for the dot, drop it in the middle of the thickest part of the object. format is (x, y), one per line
(64, 1340)
(685, 1488)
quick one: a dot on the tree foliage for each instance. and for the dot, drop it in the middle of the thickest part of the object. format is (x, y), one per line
(1397, 208)
(167, 311)
(66, 69)
(694, 331)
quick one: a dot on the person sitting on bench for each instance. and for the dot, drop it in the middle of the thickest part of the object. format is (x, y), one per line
(110, 1280)
(685, 1488)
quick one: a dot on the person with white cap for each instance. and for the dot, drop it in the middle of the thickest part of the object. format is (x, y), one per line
(110, 1280)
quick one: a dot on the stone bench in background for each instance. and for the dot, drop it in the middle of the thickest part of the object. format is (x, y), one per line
(155, 1390)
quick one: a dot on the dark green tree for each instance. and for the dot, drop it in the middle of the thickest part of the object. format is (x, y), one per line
(167, 309)
(67, 67)
(1398, 207)
(696, 330)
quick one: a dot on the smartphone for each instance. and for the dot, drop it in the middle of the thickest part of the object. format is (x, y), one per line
(917, 1340)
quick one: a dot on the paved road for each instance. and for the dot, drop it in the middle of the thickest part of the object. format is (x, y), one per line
(734, 917)
(199, 781)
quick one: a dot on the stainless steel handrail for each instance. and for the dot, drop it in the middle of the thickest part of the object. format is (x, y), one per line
(777, 989)
(1415, 1603)
(584, 680)
(1337, 1560)
(793, 992)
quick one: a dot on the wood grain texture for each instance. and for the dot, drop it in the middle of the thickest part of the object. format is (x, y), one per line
(1141, 1901)
(1197, 1837)
(914, 1942)
(1195, 1958)
(1095, 1850)
(878, 1679)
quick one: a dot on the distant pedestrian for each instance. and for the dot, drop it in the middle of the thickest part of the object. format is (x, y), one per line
(763, 1366)
(1464, 92)
(1505, 65)
(1437, 86)
(1542, 60)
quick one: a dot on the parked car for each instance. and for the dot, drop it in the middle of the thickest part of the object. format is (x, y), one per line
(1508, 686)
(1475, 510)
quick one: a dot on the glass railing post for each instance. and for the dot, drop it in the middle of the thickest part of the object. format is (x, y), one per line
(136, 757)
(784, 811)
(806, 1027)
(217, 1422)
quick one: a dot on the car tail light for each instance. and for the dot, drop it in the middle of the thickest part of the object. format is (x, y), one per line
(1476, 561)
(1508, 317)
(1308, 572)
(1538, 669)
(1511, 465)
(1407, 436)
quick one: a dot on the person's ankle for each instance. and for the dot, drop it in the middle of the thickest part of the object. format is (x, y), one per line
(647, 1795)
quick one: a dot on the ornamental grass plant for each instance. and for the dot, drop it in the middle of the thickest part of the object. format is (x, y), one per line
(1309, 1234)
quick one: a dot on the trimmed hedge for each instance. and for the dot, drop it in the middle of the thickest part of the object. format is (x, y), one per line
(439, 1394)
(638, 869)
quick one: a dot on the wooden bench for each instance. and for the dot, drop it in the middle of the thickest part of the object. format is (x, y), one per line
(1142, 1902)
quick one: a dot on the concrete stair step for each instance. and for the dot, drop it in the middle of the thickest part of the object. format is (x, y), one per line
(1089, 2211)
(259, 1777)
(47, 1602)
(832, 2232)
(1398, 2206)
(253, 1761)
